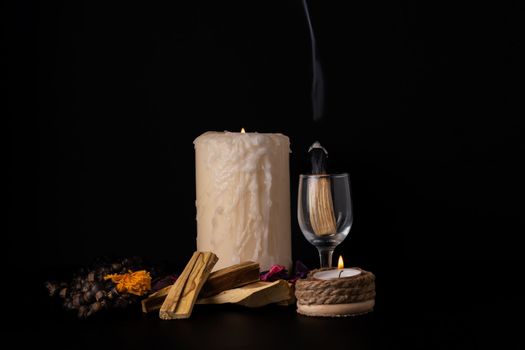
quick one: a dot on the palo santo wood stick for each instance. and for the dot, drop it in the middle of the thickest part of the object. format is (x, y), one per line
(253, 295)
(174, 294)
(231, 277)
(183, 294)
(321, 207)
(154, 301)
(227, 278)
(320, 204)
(198, 277)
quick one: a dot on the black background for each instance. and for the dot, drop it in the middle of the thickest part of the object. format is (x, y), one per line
(424, 109)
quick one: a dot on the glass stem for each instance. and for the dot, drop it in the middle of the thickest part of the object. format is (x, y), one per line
(325, 255)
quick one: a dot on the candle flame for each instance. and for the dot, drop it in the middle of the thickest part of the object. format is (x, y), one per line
(242, 131)
(340, 263)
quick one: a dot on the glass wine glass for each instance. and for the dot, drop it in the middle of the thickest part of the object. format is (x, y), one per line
(324, 212)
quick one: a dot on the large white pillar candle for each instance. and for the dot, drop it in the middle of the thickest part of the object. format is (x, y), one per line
(243, 197)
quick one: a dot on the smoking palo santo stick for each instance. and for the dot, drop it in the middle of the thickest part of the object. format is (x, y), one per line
(320, 206)
(183, 294)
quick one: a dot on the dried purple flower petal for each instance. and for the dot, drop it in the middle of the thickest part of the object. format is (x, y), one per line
(276, 272)
(160, 283)
(301, 271)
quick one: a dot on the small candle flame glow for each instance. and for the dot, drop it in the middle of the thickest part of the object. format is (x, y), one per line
(242, 131)
(340, 263)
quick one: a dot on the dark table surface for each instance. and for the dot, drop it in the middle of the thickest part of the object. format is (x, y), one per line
(473, 307)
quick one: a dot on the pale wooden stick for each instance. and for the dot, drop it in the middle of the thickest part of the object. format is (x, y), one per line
(203, 266)
(253, 295)
(182, 296)
(154, 301)
(231, 277)
(321, 207)
(174, 294)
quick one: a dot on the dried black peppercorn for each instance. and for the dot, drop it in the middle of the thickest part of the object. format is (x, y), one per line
(63, 292)
(77, 300)
(83, 311)
(95, 307)
(116, 267)
(95, 288)
(91, 277)
(100, 295)
(51, 288)
(88, 297)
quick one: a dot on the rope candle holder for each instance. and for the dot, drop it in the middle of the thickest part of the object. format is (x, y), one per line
(338, 297)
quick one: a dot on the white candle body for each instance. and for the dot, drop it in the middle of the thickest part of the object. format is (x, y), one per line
(336, 273)
(243, 197)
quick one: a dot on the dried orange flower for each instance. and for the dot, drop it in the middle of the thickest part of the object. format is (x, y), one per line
(138, 282)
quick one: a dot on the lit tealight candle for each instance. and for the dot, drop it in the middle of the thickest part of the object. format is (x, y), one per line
(340, 272)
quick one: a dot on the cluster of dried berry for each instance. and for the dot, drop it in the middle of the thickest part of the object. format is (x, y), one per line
(88, 292)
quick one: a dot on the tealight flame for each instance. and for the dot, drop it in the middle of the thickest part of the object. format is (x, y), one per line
(340, 263)
(242, 131)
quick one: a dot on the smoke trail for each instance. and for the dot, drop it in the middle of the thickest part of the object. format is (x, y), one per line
(317, 93)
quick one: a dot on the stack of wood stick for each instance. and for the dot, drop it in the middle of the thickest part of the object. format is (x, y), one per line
(237, 284)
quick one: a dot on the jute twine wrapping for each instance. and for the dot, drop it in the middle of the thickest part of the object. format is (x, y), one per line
(312, 291)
